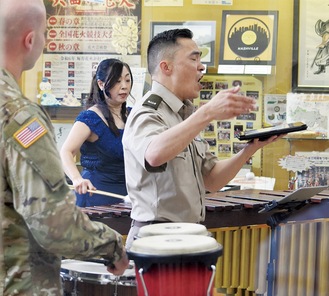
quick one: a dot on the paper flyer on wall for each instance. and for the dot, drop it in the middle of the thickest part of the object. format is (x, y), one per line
(275, 109)
(312, 109)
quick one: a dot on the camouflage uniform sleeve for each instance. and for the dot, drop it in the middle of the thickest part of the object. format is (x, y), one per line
(42, 197)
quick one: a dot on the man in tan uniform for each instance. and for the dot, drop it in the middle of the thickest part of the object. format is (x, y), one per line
(40, 222)
(168, 166)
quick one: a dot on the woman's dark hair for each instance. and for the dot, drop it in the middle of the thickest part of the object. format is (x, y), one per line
(109, 72)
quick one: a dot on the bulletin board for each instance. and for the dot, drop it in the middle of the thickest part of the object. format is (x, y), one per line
(221, 135)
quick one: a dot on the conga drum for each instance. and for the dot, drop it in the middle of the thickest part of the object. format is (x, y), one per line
(169, 228)
(183, 265)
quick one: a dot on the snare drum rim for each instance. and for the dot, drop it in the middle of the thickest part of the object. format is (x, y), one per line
(127, 279)
(85, 276)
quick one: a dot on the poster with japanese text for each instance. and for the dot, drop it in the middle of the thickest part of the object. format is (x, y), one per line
(82, 33)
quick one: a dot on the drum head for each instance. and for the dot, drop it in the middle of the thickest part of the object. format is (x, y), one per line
(84, 267)
(172, 228)
(174, 244)
(176, 249)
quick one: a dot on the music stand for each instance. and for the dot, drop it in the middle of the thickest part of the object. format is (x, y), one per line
(290, 203)
(282, 210)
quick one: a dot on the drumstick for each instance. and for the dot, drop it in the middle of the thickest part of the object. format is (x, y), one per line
(102, 193)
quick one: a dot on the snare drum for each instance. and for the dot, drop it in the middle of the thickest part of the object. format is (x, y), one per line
(91, 278)
(175, 264)
(172, 228)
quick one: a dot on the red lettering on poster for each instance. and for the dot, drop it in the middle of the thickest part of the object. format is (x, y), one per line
(75, 2)
(59, 2)
(110, 3)
(52, 34)
(52, 21)
(120, 3)
(127, 3)
(52, 46)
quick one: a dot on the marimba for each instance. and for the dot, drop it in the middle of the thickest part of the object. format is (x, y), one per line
(291, 261)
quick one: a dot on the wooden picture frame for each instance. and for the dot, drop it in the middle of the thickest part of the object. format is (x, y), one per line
(204, 34)
(62, 129)
(248, 37)
(310, 47)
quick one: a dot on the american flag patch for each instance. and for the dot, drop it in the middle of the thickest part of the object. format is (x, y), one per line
(30, 133)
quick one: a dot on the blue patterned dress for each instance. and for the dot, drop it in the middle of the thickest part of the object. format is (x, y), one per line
(102, 162)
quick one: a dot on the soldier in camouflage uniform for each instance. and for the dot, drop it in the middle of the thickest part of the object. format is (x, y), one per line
(40, 222)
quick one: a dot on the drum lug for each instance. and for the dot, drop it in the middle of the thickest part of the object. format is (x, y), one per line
(116, 286)
(140, 271)
(213, 267)
(71, 279)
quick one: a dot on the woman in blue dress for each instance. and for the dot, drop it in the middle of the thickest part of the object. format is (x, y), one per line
(97, 133)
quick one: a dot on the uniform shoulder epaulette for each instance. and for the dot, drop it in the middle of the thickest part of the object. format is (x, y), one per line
(153, 101)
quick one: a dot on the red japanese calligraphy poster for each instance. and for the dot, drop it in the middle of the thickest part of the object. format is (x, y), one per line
(81, 33)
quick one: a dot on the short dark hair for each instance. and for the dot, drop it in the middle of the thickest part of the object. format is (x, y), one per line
(162, 41)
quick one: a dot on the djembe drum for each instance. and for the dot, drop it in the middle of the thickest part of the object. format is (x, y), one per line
(174, 264)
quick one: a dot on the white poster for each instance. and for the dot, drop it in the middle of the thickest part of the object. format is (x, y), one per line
(312, 109)
(73, 73)
(275, 109)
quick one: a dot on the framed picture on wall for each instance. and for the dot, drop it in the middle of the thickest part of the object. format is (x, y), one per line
(248, 37)
(62, 129)
(310, 72)
(204, 34)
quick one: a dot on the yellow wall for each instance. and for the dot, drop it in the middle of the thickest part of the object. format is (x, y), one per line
(191, 12)
(280, 82)
(31, 79)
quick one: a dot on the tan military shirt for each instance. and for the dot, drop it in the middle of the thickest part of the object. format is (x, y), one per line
(40, 222)
(175, 191)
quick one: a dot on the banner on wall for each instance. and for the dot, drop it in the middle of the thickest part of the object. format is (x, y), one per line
(82, 33)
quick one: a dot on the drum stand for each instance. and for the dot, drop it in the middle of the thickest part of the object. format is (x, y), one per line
(70, 279)
(75, 282)
(273, 221)
(116, 286)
